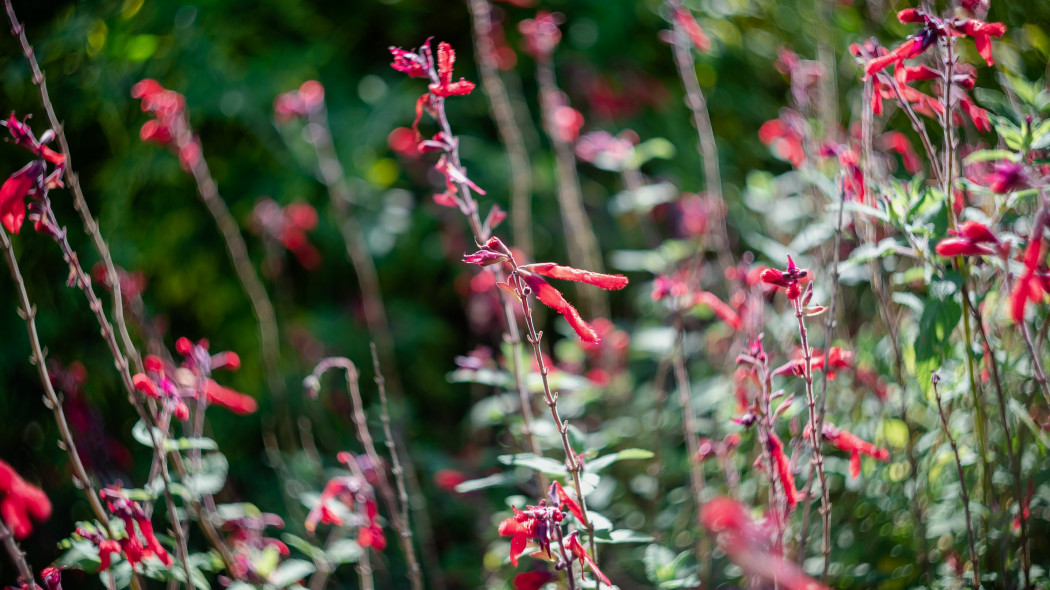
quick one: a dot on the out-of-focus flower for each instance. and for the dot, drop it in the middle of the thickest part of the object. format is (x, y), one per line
(1007, 177)
(289, 225)
(782, 466)
(20, 501)
(170, 126)
(747, 545)
(541, 34)
(784, 135)
(850, 443)
(684, 19)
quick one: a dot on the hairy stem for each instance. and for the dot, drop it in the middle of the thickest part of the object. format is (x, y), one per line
(25, 573)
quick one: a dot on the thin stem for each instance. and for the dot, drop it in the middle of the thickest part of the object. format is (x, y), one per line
(572, 462)
(28, 313)
(1014, 458)
(506, 125)
(579, 233)
(365, 437)
(816, 429)
(697, 104)
(83, 282)
(73, 182)
(25, 573)
(692, 439)
(340, 199)
(238, 253)
(395, 462)
(962, 481)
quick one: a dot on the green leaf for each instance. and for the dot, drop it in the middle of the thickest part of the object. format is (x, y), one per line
(141, 434)
(657, 560)
(940, 316)
(596, 465)
(623, 536)
(474, 485)
(540, 464)
(988, 156)
(344, 551)
(290, 572)
(211, 478)
(312, 551)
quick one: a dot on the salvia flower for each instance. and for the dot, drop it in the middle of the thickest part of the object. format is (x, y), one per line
(289, 225)
(1030, 286)
(789, 279)
(139, 541)
(971, 239)
(933, 28)
(33, 180)
(20, 501)
(1007, 177)
(836, 358)
(170, 126)
(747, 545)
(528, 278)
(782, 466)
(850, 443)
(785, 135)
(534, 524)
(572, 543)
(341, 497)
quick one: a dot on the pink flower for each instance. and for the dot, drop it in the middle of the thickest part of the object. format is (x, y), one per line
(685, 19)
(13, 195)
(541, 34)
(852, 444)
(782, 466)
(982, 33)
(1007, 177)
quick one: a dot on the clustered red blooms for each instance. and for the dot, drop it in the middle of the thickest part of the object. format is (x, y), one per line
(790, 279)
(677, 288)
(421, 64)
(289, 226)
(849, 443)
(747, 544)
(163, 381)
(971, 239)
(528, 279)
(541, 34)
(244, 535)
(542, 525)
(170, 126)
(33, 180)
(692, 29)
(138, 543)
(933, 28)
(782, 467)
(300, 103)
(345, 494)
(20, 501)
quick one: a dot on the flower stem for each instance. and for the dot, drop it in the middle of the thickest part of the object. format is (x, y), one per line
(25, 573)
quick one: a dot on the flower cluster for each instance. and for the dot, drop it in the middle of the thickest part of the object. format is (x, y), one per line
(528, 279)
(244, 535)
(1034, 281)
(349, 498)
(33, 180)
(541, 526)
(790, 279)
(289, 225)
(138, 543)
(172, 385)
(170, 126)
(971, 239)
(932, 29)
(300, 103)
(20, 501)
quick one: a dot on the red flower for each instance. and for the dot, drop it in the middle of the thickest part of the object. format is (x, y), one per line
(1028, 286)
(576, 548)
(785, 138)
(790, 279)
(445, 86)
(907, 50)
(567, 273)
(685, 19)
(236, 402)
(13, 195)
(535, 523)
(131, 546)
(20, 501)
(982, 33)
(852, 444)
(1007, 177)
(782, 466)
(746, 544)
(409, 63)
(719, 308)
(952, 247)
(563, 498)
(533, 580)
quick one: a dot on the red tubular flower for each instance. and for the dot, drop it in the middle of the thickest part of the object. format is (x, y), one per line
(685, 19)
(1028, 287)
(408, 62)
(1007, 177)
(785, 139)
(788, 279)
(852, 444)
(234, 401)
(520, 528)
(20, 501)
(952, 247)
(553, 298)
(783, 470)
(719, 308)
(907, 50)
(445, 87)
(982, 33)
(576, 548)
(13, 195)
(975, 231)
(567, 273)
(565, 500)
